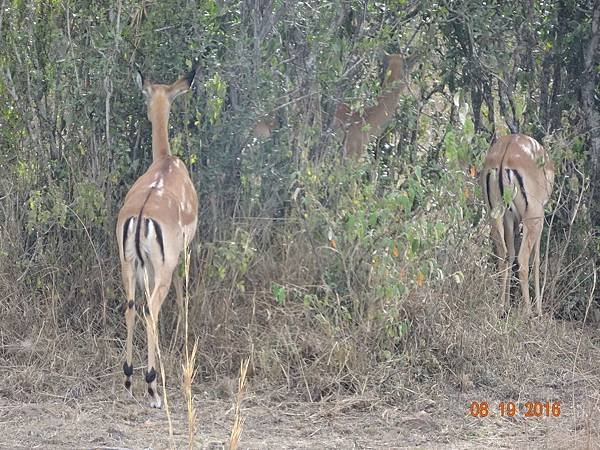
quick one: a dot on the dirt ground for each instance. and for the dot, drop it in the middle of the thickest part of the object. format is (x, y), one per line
(117, 421)
(61, 402)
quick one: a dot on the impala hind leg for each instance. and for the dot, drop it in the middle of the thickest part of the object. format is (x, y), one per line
(161, 288)
(129, 309)
(536, 274)
(501, 253)
(509, 239)
(532, 228)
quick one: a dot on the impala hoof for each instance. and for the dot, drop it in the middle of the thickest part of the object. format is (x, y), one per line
(128, 371)
(154, 400)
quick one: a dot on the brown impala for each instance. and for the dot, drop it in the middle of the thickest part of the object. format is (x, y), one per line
(360, 127)
(157, 221)
(517, 180)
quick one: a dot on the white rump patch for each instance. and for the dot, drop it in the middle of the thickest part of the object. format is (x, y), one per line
(131, 227)
(149, 238)
(151, 230)
(129, 250)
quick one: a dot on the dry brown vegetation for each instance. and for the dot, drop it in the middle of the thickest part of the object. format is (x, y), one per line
(454, 351)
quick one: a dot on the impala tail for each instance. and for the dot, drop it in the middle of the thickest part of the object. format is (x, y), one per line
(504, 187)
(142, 238)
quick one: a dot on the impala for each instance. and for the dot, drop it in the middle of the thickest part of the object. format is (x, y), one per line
(156, 222)
(360, 127)
(263, 129)
(517, 180)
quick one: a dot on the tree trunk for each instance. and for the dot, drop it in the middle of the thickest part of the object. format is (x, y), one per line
(489, 101)
(555, 103)
(589, 86)
(544, 104)
(506, 108)
(476, 101)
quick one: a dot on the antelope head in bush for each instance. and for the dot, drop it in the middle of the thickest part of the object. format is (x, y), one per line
(361, 126)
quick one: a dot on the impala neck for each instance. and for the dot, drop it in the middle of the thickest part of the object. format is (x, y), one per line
(160, 137)
(392, 86)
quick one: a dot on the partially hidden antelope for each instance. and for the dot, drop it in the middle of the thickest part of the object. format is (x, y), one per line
(360, 127)
(157, 221)
(517, 180)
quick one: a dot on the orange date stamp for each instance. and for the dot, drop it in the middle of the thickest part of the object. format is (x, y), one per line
(510, 409)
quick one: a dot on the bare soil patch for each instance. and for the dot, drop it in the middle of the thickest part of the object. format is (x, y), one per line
(117, 421)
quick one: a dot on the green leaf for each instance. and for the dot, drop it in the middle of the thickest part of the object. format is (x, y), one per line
(278, 292)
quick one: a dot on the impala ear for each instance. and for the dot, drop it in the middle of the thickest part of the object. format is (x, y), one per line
(184, 84)
(192, 74)
(139, 80)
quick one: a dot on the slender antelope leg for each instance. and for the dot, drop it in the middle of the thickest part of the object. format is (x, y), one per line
(509, 238)
(500, 245)
(536, 273)
(129, 283)
(161, 289)
(531, 231)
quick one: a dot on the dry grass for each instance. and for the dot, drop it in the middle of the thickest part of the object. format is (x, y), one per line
(189, 364)
(189, 374)
(238, 419)
(454, 336)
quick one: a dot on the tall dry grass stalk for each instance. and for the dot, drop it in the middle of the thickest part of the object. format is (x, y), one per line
(189, 373)
(189, 370)
(238, 421)
(163, 383)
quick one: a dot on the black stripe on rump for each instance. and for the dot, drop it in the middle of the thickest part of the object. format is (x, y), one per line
(487, 189)
(137, 237)
(125, 228)
(138, 230)
(159, 238)
(522, 186)
(501, 182)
